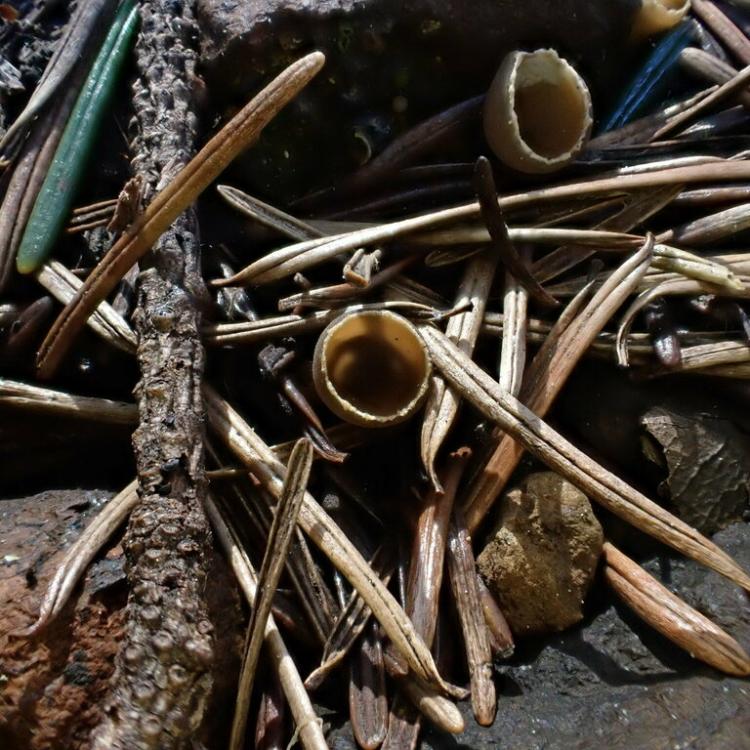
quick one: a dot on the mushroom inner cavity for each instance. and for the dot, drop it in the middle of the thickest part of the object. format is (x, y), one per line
(549, 105)
(376, 364)
(673, 4)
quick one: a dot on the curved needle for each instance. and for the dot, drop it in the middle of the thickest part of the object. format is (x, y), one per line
(80, 554)
(202, 170)
(484, 185)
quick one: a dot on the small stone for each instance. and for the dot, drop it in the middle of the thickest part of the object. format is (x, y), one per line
(541, 558)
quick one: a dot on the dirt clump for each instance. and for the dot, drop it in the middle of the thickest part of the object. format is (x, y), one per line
(542, 556)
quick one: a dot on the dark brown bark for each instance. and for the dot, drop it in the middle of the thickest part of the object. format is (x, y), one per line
(163, 669)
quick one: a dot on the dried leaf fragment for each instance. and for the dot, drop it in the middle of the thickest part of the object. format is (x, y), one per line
(708, 464)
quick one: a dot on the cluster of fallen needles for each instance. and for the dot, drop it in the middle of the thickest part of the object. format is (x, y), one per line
(635, 255)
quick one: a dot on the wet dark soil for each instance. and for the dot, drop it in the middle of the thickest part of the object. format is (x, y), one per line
(53, 685)
(609, 681)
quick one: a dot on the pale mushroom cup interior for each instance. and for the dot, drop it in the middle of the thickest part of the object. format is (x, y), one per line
(371, 368)
(551, 110)
(656, 16)
(538, 112)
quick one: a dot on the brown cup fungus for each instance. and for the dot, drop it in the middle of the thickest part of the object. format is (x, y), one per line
(371, 368)
(657, 16)
(537, 115)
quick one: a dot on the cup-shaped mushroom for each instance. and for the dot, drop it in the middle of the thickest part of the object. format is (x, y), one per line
(371, 368)
(537, 114)
(656, 16)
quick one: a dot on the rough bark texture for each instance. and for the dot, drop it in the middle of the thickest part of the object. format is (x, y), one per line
(53, 686)
(163, 677)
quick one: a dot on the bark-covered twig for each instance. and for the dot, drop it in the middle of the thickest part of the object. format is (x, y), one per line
(162, 677)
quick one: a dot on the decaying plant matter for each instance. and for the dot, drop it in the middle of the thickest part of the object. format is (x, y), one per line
(163, 671)
(445, 303)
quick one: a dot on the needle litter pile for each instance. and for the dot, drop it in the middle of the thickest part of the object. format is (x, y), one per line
(349, 392)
